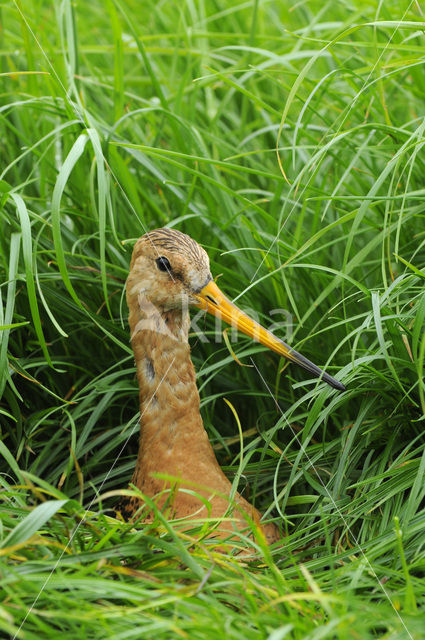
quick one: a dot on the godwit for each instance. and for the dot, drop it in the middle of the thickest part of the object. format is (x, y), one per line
(169, 271)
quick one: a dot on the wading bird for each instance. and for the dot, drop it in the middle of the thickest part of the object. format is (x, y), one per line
(169, 271)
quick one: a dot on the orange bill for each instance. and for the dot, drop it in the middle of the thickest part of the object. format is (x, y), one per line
(216, 303)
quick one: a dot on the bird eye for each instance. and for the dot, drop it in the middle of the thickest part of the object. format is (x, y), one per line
(163, 264)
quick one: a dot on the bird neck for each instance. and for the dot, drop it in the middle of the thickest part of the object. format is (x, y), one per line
(169, 400)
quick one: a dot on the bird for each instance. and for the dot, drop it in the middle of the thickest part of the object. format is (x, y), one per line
(176, 464)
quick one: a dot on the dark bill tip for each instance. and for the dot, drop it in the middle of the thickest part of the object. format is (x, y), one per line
(315, 370)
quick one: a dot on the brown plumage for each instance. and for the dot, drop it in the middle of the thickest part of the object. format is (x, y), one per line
(169, 271)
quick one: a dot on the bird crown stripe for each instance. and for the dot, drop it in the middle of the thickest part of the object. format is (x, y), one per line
(174, 240)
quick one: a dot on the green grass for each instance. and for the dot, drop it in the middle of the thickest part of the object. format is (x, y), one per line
(119, 117)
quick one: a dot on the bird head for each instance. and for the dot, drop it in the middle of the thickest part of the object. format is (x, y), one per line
(171, 271)
(169, 268)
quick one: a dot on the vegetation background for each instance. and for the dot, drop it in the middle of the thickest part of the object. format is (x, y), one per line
(287, 138)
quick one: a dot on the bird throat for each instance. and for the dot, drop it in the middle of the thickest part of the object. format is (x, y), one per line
(171, 427)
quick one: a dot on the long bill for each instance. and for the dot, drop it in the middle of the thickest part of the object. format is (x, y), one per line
(216, 303)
